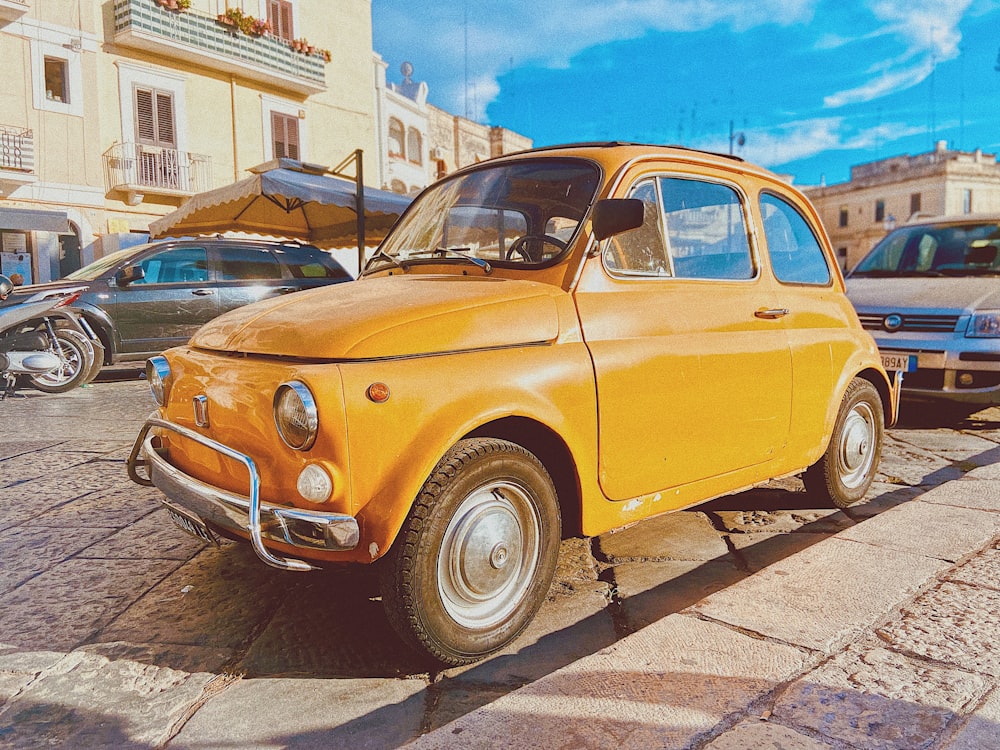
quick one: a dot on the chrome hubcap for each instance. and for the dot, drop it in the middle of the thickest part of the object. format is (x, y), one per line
(489, 555)
(857, 445)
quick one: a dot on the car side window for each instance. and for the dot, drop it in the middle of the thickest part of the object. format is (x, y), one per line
(640, 251)
(307, 263)
(706, 231)
(178, 265)
(796, 255)
(243, 263)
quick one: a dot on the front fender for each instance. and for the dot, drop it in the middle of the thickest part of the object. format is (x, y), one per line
(435, 401)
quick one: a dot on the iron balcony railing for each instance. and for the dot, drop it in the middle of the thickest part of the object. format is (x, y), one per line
(17, 149)
(133, 167)
(199, 38)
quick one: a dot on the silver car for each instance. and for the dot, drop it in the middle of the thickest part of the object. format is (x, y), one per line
(929, 293)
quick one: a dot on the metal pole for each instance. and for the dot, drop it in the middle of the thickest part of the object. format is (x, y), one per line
(359, 171)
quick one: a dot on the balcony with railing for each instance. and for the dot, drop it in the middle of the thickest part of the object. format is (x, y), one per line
(137, 170)
(11, 10)
(201, 39)
(17, 157)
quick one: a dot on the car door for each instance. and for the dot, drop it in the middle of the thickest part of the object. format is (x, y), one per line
(247, 273)
(173, 298)
(693, 374)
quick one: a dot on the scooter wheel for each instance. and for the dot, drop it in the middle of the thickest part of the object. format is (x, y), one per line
(77, 360)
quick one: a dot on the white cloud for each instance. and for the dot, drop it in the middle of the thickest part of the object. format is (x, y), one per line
(806, 138)
(929, 31)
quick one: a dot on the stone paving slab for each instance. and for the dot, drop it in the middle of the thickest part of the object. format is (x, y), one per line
(982, 730)
(761, 735)
(823, 596)
(686, 535)
(291, 714)
(877, 699)
(664, 686)
(122, 704)
(970, 492)
(934, 530)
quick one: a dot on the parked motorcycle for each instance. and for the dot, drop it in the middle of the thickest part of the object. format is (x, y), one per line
(48, 343)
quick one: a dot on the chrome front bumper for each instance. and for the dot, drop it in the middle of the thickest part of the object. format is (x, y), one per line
(305, 529)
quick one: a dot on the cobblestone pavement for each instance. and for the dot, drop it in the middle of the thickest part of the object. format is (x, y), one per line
(755, 619)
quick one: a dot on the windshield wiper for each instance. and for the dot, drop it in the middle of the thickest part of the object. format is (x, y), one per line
(463, 253)
(383, 256)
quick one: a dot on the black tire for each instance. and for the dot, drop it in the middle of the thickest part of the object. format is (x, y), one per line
(77, 359)
(474, 559)
(95, 352)
(846, 470)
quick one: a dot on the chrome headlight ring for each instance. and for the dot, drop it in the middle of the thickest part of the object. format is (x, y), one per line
(295, 415)
(158, 377)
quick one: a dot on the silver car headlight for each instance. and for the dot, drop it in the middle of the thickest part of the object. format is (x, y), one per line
(985, 324)
(158, 377)
(295, 415)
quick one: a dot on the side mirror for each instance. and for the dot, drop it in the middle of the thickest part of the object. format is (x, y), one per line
(616, 215)
(130, 274)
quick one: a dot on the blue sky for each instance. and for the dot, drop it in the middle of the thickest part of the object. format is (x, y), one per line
(814, 85)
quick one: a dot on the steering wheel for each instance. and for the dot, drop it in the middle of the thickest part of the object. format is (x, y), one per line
(519, 246)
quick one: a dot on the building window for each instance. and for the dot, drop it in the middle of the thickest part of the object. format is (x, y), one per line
(154, 118)
(397, 139)
(284, 136)
(56, 79)
(914, 203)
(57, 74)
(414, 146)
(279, 16)
(879, 210)
(842, 258)
(966, 201)
(843, 217)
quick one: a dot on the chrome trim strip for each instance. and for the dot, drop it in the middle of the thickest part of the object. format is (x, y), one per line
(298, 527)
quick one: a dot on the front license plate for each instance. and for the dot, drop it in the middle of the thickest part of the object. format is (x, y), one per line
(902, 361)
(191, 523)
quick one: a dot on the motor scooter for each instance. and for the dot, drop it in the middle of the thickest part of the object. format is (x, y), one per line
(46, 342)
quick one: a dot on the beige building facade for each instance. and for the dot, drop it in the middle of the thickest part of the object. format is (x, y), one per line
(113, 113)
(420, 143)
(887, 193)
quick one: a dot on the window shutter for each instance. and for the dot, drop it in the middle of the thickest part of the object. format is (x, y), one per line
(145, 125)
(285, 134)
(279, 15)
(165, 120)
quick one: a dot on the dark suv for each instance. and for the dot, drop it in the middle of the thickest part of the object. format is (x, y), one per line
(147, 298)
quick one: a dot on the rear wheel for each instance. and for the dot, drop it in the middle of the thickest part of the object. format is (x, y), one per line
(475, 557)
(76, 359)
(846, 470)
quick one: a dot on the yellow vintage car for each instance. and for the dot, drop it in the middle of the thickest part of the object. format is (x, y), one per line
(553, 343)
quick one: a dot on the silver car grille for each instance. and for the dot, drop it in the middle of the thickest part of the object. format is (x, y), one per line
(917, 323)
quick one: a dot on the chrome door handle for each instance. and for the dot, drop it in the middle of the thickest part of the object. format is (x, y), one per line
(202, 292)
(285, 289)
(772, 313)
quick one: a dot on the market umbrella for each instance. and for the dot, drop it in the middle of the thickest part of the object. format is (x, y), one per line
(288, 198)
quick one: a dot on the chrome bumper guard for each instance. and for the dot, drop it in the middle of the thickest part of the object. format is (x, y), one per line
(306, 529)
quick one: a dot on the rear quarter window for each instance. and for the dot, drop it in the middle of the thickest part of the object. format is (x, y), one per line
(796, 255)
(309, 263)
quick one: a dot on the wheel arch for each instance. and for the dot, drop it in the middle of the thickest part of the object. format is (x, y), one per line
(555, 455)
(884, 389)
(103, 327)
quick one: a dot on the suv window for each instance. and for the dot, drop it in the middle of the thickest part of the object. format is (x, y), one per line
(691, 229)
(796, 255)
(310, 263)
(242, 263)
(178, 265)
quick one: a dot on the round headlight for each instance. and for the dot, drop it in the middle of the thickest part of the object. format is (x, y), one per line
(295, 415)
(158, 377)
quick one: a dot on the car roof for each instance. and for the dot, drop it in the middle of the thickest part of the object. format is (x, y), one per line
(950, 219)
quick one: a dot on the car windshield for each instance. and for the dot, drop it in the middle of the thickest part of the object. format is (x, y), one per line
(971, 249)
(101, 266)
(521, 213)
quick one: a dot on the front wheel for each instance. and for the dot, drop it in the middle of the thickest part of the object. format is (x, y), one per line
(475, 558)
(75, 363)
(846, 470)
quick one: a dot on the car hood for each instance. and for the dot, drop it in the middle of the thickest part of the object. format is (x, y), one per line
(390, 316)
(957, 294)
